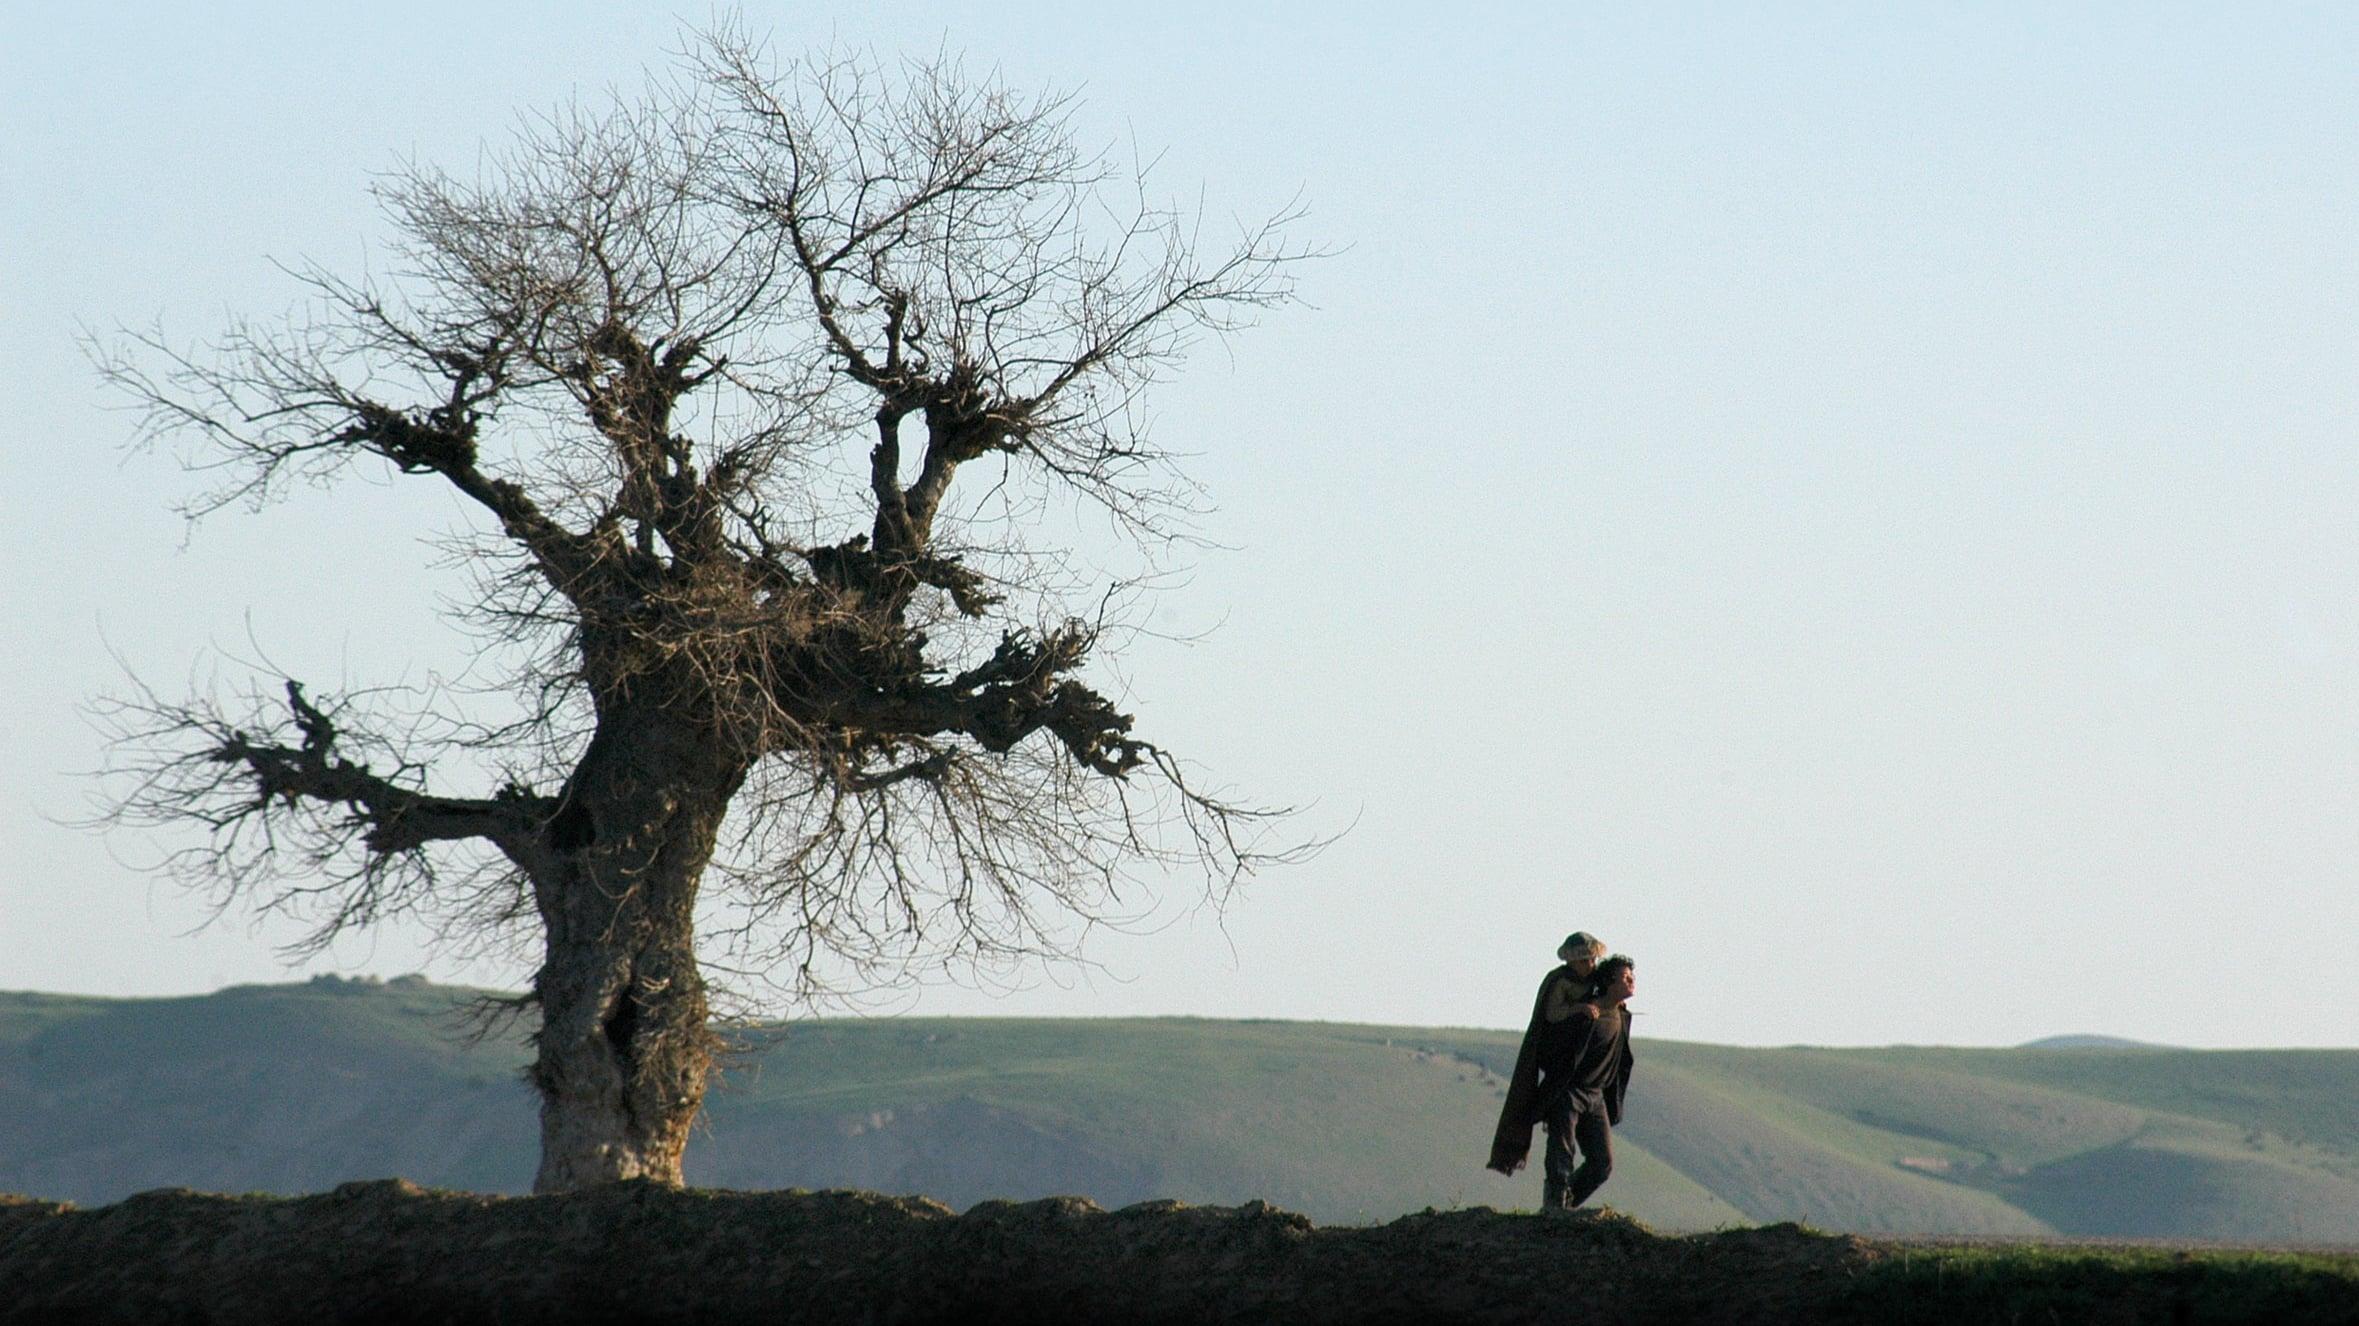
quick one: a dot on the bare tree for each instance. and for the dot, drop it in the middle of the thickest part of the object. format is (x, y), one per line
(762, 385)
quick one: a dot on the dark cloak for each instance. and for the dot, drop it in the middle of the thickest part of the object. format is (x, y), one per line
(1542, 1068)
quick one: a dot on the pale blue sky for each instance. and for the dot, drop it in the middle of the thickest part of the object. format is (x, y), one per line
(1860, 509)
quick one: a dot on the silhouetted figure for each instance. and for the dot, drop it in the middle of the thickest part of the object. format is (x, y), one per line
(1570, 1076)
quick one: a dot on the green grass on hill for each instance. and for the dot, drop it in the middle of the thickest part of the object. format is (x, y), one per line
(2032, 1283)
(297, 1088)
(1929, 1111)
(24, 1016)
(1342, 1126)
(2303, 1096)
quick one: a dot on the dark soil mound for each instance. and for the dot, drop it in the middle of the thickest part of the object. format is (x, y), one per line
(390, 1251)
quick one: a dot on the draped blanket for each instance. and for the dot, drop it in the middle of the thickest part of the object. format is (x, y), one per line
(1545, 1046)
(1547, 1063)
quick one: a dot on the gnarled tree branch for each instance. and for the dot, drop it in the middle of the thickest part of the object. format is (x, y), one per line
(389, 817)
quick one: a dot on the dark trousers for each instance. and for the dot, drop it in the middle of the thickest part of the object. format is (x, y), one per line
(1568, 1124)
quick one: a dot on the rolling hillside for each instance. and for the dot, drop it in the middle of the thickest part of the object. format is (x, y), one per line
(297, 1088)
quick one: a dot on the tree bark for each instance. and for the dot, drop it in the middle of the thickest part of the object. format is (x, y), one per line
(624, 1045)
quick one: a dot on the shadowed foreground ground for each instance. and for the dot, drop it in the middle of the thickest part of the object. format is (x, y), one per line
(390, 1251)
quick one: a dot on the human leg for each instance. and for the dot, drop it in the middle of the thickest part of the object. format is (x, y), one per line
(1596, 1137)
(1556, 1155)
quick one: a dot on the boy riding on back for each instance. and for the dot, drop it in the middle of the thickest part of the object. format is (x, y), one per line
(1571, 1074)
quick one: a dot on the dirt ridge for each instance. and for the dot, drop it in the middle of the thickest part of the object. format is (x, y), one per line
(389, 1250)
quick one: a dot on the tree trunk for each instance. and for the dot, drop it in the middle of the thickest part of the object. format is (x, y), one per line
(624, 1042)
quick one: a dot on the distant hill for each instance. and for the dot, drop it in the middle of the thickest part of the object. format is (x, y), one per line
(297, 1088)
(2089, 1042)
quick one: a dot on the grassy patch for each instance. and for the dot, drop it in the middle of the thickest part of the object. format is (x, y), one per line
(2034, 1283)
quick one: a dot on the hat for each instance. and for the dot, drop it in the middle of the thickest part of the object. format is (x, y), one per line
(1579, 944)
